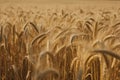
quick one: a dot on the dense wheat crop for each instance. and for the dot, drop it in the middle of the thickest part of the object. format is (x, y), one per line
(59, 43)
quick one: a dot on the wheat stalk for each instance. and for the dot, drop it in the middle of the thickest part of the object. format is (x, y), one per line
(112, 54)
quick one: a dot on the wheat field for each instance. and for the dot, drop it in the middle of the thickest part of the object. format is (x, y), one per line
(67, 42)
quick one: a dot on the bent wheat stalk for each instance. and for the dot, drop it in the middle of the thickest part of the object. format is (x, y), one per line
(47, 53)
(38, 37)
(108, 53)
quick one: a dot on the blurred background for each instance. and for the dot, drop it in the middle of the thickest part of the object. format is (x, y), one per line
(79, 2)
(57, 1)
